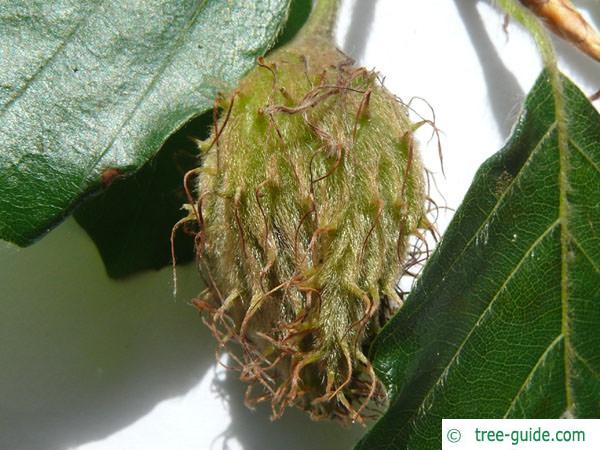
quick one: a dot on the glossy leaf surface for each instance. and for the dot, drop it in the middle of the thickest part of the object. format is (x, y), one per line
(87, 87)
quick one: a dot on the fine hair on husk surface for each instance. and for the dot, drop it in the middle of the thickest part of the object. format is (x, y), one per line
(311, 204)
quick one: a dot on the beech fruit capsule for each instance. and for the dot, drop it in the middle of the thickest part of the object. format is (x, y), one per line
(309, 190)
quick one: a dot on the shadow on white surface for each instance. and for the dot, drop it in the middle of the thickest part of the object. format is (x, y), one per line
(103, 364)
(81, 355)
(361, 21)
(502, 84)
(253, 429)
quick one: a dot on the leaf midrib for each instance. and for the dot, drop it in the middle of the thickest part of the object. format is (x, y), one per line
(563, 183)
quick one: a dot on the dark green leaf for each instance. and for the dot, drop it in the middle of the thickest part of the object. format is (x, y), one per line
(505, 320)
(89, 86)
(132, 220)
(297, 17)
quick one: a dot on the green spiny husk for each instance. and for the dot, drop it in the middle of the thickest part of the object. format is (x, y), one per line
(310, 188)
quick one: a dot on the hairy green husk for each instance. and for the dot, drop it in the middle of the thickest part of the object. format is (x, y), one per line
(310, 188)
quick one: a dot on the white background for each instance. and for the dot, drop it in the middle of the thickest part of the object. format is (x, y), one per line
(90, 363)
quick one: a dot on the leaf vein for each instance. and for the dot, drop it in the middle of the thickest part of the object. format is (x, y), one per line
(153, 81)
(532, 372)
(46, 63)
(585, 156)
(584, 253)
(585, 363)
(491, 213)
(488, 308)
(504, 194)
